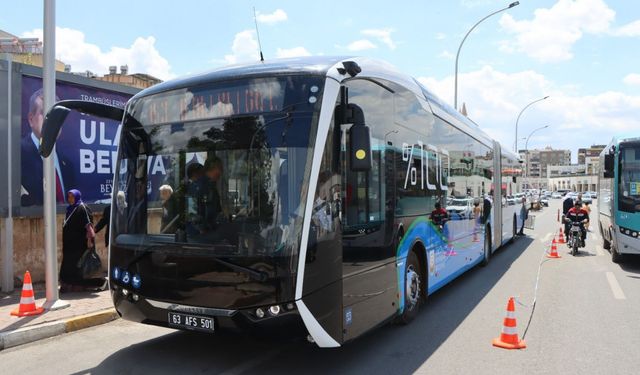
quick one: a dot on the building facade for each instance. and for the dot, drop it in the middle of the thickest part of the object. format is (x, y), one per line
(538, 161)
(590, 157)
(24, 50)
(138, 80)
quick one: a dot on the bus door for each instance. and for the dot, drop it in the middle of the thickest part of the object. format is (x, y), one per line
(369, 270)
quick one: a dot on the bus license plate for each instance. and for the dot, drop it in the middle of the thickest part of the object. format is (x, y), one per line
(191, 322)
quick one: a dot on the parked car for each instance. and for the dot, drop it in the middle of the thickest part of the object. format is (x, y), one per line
(556, 195)
(586, 198)
(594, 194)
(544, 201)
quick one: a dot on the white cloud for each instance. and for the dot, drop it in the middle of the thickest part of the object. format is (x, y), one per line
(630, 29)
(244, 48)
(292, 52)
(278, 15)
(141, 57)
(632, 79)
(446, 55)
(549, 36)
(361, 45)
(494, 99)
(383, 35)
(441, 36)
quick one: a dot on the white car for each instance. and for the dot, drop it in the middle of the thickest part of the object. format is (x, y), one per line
(556, 195)
(460, 208)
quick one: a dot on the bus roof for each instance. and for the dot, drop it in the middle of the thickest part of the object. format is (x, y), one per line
(311, 65)
(321, 65)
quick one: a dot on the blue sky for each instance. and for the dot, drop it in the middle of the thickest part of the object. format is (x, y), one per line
(583, 53)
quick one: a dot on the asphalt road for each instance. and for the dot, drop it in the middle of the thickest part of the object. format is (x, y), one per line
(586, 321)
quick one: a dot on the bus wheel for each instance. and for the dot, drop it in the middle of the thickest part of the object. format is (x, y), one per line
(605, 243)
(616, 257)
(487, 247)
(412, 284)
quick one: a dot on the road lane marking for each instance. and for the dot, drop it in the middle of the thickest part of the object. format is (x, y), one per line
(615, 287)
(599, 250)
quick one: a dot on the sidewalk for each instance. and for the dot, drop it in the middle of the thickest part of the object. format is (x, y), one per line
(87, 309)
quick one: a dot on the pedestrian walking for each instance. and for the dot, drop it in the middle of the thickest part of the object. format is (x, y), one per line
(77, 236)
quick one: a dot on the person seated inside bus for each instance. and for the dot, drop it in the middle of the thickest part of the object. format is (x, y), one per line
(578, 215)
(193, 199)
(169, 210)
(439, 216)
(213, 214)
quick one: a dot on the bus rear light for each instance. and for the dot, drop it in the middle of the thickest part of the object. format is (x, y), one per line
(125, 292)
(135, 297)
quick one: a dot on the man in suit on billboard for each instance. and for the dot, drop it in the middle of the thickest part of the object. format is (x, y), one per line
(32, 168)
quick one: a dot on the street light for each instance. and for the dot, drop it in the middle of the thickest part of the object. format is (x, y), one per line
(515, 146)
(455, 95)
(526, 150)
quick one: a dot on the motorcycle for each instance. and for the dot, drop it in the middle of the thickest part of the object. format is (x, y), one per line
(575, 238)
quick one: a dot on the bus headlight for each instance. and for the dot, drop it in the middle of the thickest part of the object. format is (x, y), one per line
(635, 234)
(274, 310)
(260, 313)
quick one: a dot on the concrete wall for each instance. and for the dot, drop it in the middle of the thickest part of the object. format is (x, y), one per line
(28, 242)
(28, 245)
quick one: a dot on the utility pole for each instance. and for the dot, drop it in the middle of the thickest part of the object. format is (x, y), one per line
(49, 179)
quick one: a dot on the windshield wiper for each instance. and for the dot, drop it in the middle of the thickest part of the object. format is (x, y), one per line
(254, 274)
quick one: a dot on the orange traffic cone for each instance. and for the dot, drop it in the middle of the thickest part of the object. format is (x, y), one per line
(554, 250)
(509, 337)
(27, 301)
(561, 239)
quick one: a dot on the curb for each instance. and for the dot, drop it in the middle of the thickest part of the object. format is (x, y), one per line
(45, 330)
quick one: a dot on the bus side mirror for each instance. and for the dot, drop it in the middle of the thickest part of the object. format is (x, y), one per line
(51, 129)
(360, 148)
(608, 165)
(359, 137)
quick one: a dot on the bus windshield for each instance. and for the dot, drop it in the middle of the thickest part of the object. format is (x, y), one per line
(629, 178)
(220, 169)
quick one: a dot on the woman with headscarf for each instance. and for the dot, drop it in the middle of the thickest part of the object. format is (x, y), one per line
(76, 237)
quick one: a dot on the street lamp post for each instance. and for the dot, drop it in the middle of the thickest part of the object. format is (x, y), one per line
(455, 95)
(515, 146)
(526, 150)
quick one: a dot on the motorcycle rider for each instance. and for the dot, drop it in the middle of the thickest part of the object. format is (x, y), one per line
(577, 214)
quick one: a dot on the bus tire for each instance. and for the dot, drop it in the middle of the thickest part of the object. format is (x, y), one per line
(606, 244)
(486, 247)
(616, 257)
(413, 295)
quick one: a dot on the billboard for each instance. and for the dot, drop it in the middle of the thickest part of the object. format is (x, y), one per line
(86, 149)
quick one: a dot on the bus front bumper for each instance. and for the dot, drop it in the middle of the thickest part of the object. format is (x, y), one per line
(137, 308)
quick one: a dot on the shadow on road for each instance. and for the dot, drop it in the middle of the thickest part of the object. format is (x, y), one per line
(388, 349)
(631, 263)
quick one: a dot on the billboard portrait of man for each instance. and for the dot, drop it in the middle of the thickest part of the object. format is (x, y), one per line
(32, 168)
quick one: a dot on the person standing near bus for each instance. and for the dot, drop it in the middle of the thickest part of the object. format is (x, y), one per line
(524, 214)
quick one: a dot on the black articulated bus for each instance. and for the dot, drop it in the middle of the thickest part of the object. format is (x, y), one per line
(332, 194)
